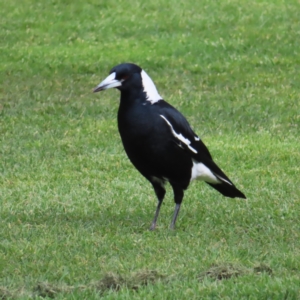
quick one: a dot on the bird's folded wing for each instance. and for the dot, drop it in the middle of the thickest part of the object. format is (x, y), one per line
(183, 134)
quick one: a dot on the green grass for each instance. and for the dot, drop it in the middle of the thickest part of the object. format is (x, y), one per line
(74, 213)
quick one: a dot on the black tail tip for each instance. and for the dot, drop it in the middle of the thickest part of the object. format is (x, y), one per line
(228, 190)
(240, 195)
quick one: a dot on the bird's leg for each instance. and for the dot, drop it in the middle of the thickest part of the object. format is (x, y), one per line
(153, 225)
(176, 211)
(178, 196)
(160, 193)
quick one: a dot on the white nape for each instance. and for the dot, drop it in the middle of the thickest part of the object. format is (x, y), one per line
(179, 136)
(149, 88)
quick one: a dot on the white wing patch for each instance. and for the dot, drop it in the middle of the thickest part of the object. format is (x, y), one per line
(202, 172)
(149, 88)
(179, 136)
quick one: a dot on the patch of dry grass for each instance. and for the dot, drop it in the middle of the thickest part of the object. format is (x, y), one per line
(223, 271)
(116, 282)
(228, 270)
(109, 282)
(4, 293)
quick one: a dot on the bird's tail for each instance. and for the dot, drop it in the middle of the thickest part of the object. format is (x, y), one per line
(225, 187)
(227, 190)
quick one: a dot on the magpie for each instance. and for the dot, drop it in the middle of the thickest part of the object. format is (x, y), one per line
(159, 141)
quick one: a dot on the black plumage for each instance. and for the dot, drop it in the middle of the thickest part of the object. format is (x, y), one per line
(159, 140)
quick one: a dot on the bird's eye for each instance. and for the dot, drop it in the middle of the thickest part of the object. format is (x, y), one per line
(124, 77)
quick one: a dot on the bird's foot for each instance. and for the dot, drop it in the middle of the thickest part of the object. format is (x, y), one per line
(172, 226)
(153, 226)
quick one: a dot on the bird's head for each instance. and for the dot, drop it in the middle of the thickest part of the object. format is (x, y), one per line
(120, 77)
(129, 76)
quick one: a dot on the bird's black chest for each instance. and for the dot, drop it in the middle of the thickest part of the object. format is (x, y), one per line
(143, 136)
(138, 128)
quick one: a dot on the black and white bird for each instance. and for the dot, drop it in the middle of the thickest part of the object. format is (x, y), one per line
(159, 141)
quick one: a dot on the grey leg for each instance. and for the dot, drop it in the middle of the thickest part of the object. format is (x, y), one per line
(153, 225)
(178, 196)
(176, 211)
(160, 193)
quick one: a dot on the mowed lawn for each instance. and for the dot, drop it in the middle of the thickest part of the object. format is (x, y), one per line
(74, 212)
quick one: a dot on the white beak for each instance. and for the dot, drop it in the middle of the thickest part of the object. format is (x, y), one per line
(109, 82)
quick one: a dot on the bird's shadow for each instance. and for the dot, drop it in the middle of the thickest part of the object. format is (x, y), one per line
(106, 219)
